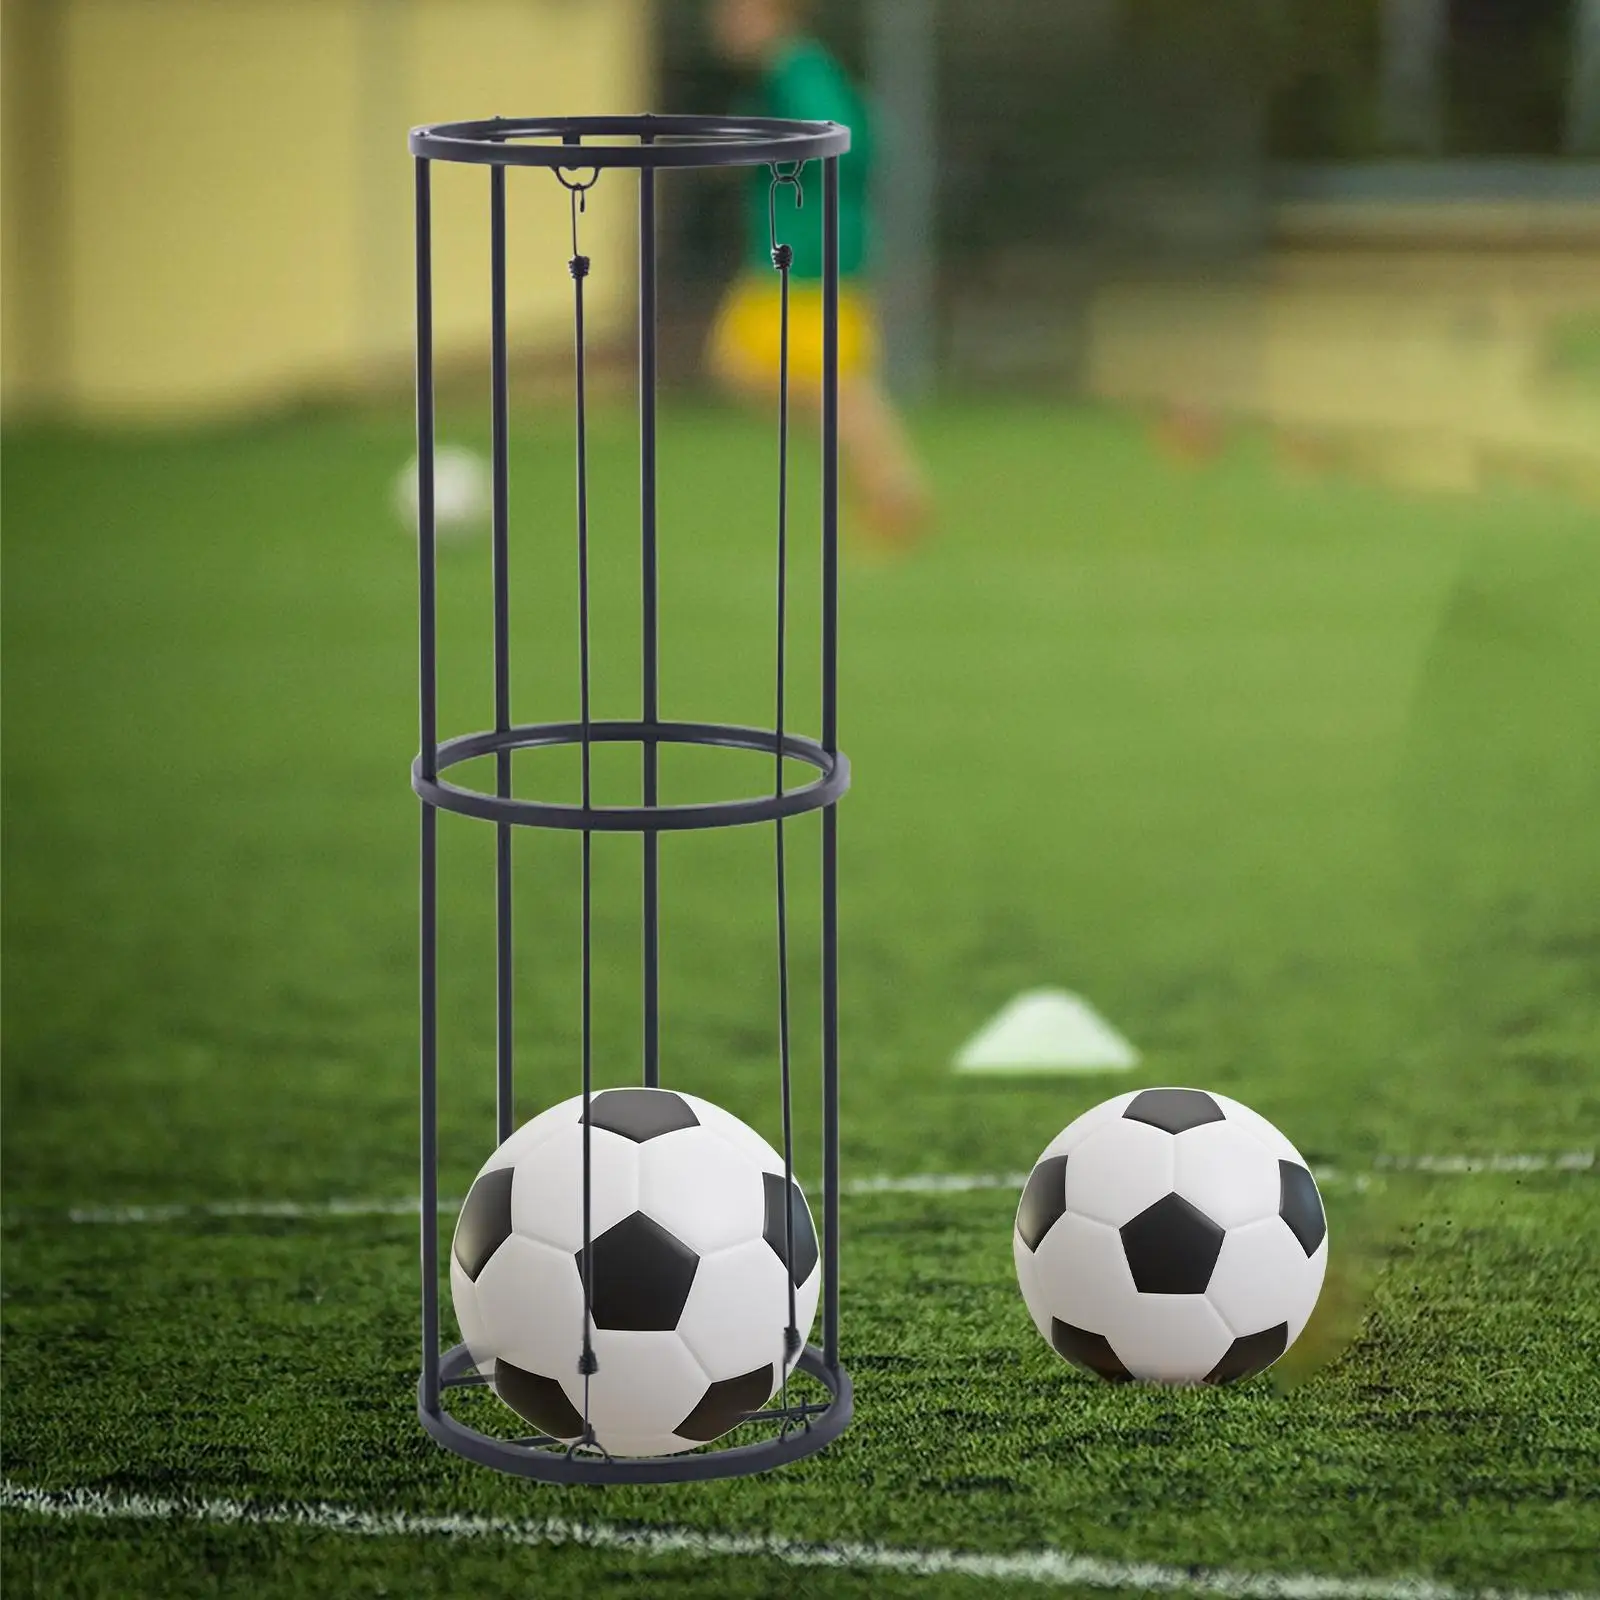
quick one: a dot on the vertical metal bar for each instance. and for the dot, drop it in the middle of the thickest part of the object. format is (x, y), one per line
(647, 546)
(429, 1199)
(428, 693)
(830, 454)
(830, 741)
(505, 1099)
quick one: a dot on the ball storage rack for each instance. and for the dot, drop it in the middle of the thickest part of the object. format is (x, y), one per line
(579, 152)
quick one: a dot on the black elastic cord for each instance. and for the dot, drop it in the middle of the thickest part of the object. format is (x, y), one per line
(782, 260)
(579, 267)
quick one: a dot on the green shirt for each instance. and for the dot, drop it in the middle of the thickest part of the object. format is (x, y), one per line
(805, 82)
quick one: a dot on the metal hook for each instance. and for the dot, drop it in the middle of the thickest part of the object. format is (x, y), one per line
(780, 178)
(572, 183)
(580, 196)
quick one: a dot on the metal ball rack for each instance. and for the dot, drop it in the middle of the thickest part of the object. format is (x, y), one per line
(567, 147)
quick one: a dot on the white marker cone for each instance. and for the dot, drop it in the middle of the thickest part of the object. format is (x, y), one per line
(1047, 1030)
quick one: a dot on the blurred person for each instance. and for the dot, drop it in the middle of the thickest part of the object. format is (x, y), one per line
(796, 77)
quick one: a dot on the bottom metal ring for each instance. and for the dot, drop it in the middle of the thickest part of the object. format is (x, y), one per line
(552, 1464)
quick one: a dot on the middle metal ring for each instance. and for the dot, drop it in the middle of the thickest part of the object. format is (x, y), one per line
(834, 779)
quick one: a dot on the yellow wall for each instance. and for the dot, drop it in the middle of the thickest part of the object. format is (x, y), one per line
(207, 205)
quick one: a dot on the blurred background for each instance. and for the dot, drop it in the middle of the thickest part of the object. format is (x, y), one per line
(1245, 681)
(1253, 354)
(1372, 224)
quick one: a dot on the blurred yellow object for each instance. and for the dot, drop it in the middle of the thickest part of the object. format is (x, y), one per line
(209, 207)
(744, 338)
(1418, 363)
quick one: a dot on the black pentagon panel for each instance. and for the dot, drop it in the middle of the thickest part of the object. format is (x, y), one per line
(1044, 1199)
(485, 1222)
(1300, 1206)
(539, 1400)
(1171, 1247)
(726, 1404)
(642, 1276)
(805, 1236)
(640, 1114)
(1173, 1110)
(1254, 1353)
(1091, 1351)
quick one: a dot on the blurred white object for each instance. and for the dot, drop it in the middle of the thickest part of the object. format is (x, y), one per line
(1047, 1030)
(463, 492)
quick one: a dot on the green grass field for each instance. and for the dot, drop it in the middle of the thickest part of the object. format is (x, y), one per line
(1297, 780)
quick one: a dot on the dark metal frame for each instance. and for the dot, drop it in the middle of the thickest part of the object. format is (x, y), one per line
(645, 144)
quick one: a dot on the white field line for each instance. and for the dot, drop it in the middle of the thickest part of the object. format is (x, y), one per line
(1053, 1567)
(880, 1183)
(1572, 1161)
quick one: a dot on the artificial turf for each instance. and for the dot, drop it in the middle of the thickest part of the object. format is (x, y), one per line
(1294, 778)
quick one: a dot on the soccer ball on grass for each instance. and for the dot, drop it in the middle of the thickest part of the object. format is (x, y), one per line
(1172, 1235)
(690, 1292)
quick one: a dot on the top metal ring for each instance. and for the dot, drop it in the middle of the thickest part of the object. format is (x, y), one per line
(665, 141)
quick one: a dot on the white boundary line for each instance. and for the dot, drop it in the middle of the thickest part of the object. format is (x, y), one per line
(1033, 1566)
(1570, 1161)
(881, 1183)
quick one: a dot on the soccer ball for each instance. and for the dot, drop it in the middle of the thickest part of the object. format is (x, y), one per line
(690, 1271)
(1173, 1235)
(462, 492)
